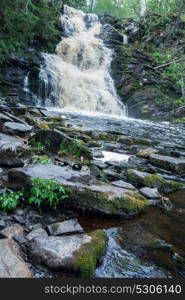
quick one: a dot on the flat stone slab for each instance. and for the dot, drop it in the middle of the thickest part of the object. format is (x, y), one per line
(66, 227)
(150, 193)
(4, 118)
(22, 177)
(173, 164)
(16, 128)
(8, 142)
(12, 264)
(123, 184)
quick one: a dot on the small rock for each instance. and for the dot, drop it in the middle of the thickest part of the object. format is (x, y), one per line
(12, 264)
(36, 233)
(12, 231)
(66, 227)
(150, 193)
(123, 184)
(2, 223)
(20, 239)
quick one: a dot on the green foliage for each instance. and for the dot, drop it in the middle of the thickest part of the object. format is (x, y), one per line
(47, 192)
(71, 148)
(10, 200)
(43, 159)
(29, 22)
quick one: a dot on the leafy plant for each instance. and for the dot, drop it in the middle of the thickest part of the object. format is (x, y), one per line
(72, 148)
(47, 192)
(10, 200)
(43, 159)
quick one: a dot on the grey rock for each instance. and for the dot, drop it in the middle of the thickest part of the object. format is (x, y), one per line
(4, 118)
(17, 128)
(123, 184)
(151, 193)
(66, 227)
(12, 264)
(9, 143)
(2, 223)
(12, 231)
(36, 233)
(173, 164)
(22, 177)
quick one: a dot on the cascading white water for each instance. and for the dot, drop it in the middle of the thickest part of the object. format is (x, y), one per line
(77, 78)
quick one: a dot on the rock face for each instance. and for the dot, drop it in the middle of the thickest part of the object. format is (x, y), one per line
(175, 165)
(76, 254)
(66, 227)
(11, 262)
(36, 233)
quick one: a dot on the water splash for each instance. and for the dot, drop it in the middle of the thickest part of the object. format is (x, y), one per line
(77, 78)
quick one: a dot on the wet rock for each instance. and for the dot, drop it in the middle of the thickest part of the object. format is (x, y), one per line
(4, 118)
(2, 223)
(147, 152)
(11, 263)
(143, 179)
(38, 232)
(76, 254)
(10, 143)
(150, 193)
(123, 184)
(12, 231)
(20, 239)
(173, 164)
(16, 129)
(22, 177)
(66, 227)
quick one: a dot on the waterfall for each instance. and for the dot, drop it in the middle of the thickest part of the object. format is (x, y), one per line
(77, 77)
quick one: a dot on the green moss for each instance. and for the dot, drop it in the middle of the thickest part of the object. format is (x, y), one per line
(163, 185)
(91, 254)
(74, 148)
(142, 142)
(125, 141)
(105, 137)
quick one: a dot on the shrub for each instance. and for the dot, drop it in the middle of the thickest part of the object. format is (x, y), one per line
(10, 200)
(47, 192)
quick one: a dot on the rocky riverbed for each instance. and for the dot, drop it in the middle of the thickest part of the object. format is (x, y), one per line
(124, 214)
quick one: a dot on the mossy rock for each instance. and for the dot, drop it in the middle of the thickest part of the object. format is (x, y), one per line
(107, 200)
(140, 179)
(91, 254)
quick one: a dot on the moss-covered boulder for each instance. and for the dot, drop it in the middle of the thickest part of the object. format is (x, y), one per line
(78, 255)
(145, 153)
(56, 141)
(141, 179)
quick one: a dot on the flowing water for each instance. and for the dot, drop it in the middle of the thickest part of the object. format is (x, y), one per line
(77, 77)
(76, 82)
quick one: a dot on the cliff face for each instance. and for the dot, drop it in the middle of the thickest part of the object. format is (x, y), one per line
(139, 48)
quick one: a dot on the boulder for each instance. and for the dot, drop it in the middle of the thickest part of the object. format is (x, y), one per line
(17, 128)
(12, 264)
(66, 227)
(77, 254)
(55, 141)
(176, 165)
(147, 152)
